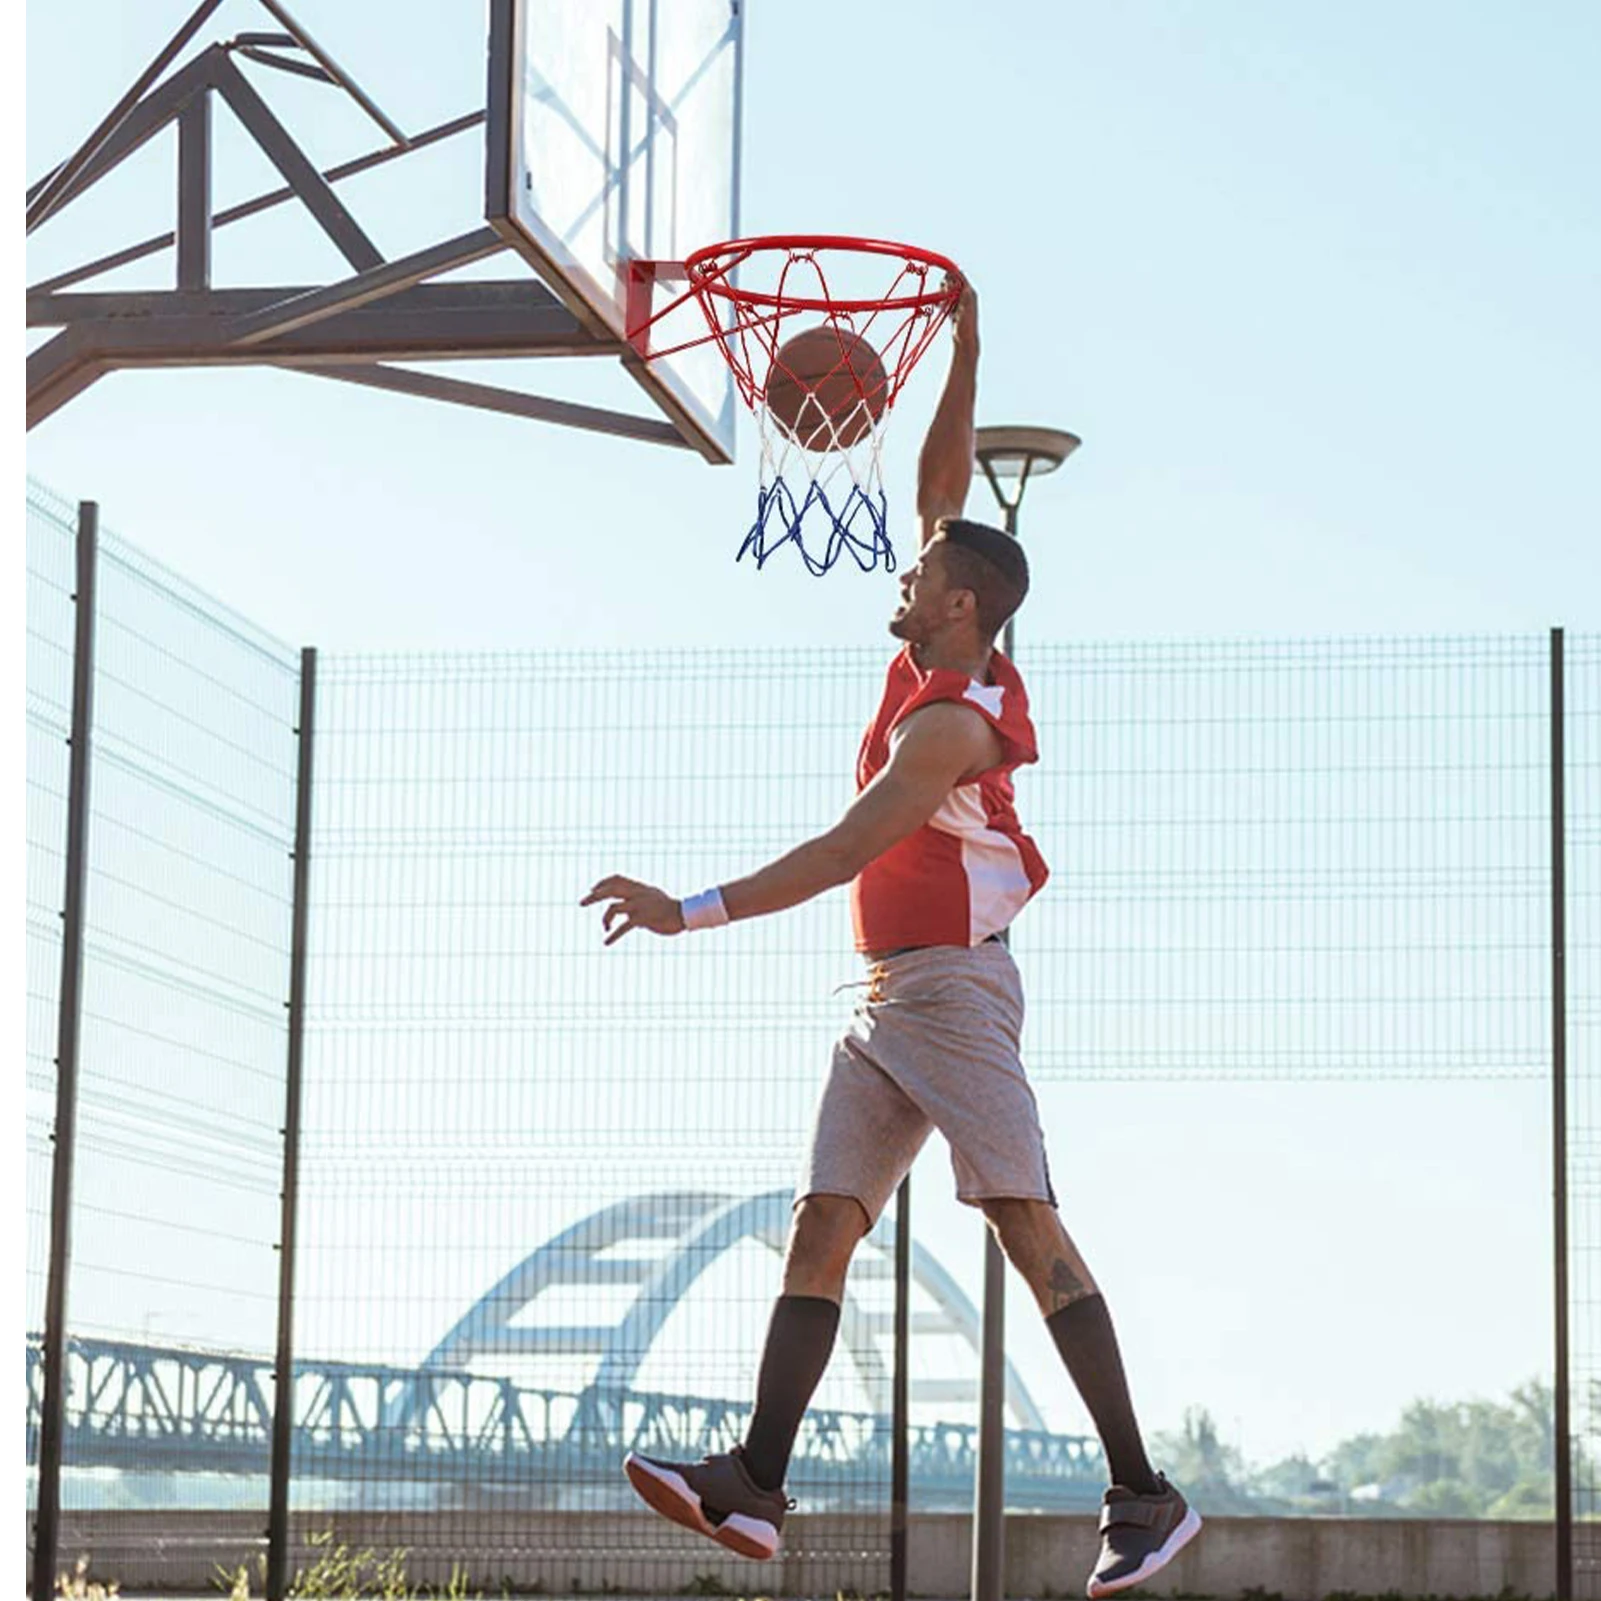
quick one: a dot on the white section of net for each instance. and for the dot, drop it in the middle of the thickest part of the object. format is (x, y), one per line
(825, 497)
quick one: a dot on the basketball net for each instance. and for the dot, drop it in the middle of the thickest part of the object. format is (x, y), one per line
(838, 470)
(821, 488)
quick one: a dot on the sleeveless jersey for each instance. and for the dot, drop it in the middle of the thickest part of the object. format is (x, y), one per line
(968, 871)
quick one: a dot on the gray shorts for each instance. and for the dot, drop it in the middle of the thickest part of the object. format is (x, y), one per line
(934, 1043)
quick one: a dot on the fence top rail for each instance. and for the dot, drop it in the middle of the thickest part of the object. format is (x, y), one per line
(171, 585)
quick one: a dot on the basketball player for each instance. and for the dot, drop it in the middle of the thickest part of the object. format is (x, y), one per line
(938, 866)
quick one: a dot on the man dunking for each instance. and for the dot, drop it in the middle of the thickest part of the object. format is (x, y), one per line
(938, 866)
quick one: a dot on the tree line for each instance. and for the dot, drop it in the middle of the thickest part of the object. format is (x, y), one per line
(1464, 1459)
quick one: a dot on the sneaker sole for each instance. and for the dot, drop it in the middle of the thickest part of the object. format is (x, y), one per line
(669, 1493)
(1155, 1562)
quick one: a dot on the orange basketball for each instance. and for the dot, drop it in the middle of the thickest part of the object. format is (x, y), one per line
(826, 388)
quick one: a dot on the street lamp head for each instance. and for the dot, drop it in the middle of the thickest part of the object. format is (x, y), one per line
(1019, 454)
(1010, 452)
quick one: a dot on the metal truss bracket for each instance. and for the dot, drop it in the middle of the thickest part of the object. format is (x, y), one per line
(354, 330)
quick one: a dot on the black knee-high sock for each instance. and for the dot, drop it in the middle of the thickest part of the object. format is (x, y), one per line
(799, 1341)
(1083, 1334)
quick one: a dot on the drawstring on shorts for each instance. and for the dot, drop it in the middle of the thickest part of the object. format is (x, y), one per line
(877, 978)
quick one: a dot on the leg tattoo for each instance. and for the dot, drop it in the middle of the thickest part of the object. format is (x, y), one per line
(1066, 1286)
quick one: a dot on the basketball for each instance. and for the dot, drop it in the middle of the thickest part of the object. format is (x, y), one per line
(826, 388)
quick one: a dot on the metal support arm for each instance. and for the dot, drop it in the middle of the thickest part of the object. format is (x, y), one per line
(292, 162)
(509, 402)
(301, 310)
(51, 195)
(135, 128)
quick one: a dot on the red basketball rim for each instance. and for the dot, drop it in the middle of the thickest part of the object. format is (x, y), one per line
(708, 271)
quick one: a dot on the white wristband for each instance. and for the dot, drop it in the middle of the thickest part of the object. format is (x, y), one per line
(705, 910)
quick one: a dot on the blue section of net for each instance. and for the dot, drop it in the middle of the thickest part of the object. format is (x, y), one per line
(859, 527)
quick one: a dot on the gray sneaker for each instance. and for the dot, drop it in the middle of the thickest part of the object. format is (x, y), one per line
(716, 1497)
(1140, 1535)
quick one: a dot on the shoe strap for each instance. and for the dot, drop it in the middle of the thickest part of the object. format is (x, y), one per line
(1142, 1514)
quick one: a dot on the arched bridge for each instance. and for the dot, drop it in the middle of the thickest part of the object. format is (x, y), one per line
(659, 1246)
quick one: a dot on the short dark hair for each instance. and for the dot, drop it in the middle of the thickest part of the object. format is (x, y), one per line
(989, 562)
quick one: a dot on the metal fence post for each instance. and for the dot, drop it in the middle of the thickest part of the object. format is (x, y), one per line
(284, 1374)
(900, 1420)
(47, 1530)
(989, 1488)
(989, 1501)
(1559, 1130)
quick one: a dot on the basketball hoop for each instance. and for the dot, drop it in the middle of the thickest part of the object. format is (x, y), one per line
(821, 425)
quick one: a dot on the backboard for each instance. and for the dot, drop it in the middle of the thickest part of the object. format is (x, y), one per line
(613, 138)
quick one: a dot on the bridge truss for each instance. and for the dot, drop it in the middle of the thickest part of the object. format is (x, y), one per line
(155, 1409)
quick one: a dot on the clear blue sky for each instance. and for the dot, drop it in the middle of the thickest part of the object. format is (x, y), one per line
(1316, 285)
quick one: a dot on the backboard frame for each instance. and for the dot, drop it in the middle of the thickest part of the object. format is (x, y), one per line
(607, 311)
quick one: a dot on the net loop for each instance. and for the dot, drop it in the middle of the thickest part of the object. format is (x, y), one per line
(758, 293)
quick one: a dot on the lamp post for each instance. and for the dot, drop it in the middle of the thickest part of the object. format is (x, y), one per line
(1004, 456)
(1007, 455)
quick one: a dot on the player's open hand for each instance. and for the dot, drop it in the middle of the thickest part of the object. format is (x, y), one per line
(964, 320)
(631, 904)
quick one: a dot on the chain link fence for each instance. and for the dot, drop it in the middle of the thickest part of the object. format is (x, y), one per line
(544, 1187)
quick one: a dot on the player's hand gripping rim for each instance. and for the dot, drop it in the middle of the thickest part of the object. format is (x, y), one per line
(964, 320)
(636, 905)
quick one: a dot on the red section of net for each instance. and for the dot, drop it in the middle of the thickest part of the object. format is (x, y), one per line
(757, 293)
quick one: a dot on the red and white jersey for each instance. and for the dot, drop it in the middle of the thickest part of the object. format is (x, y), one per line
(968, 871)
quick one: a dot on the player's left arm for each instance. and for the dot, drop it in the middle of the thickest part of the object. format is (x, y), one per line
(934, 749)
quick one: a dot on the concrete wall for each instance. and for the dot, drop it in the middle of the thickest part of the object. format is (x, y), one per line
(1301, 1559)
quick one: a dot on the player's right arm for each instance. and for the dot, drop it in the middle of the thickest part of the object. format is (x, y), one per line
(935, 749)
(945, 467)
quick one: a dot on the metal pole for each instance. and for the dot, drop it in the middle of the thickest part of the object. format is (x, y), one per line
(47, 1531)
(900, 1408)
(1559, 1130)
(194, 194)
(989, 1507)
(283, 1414)
(989, 1528)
